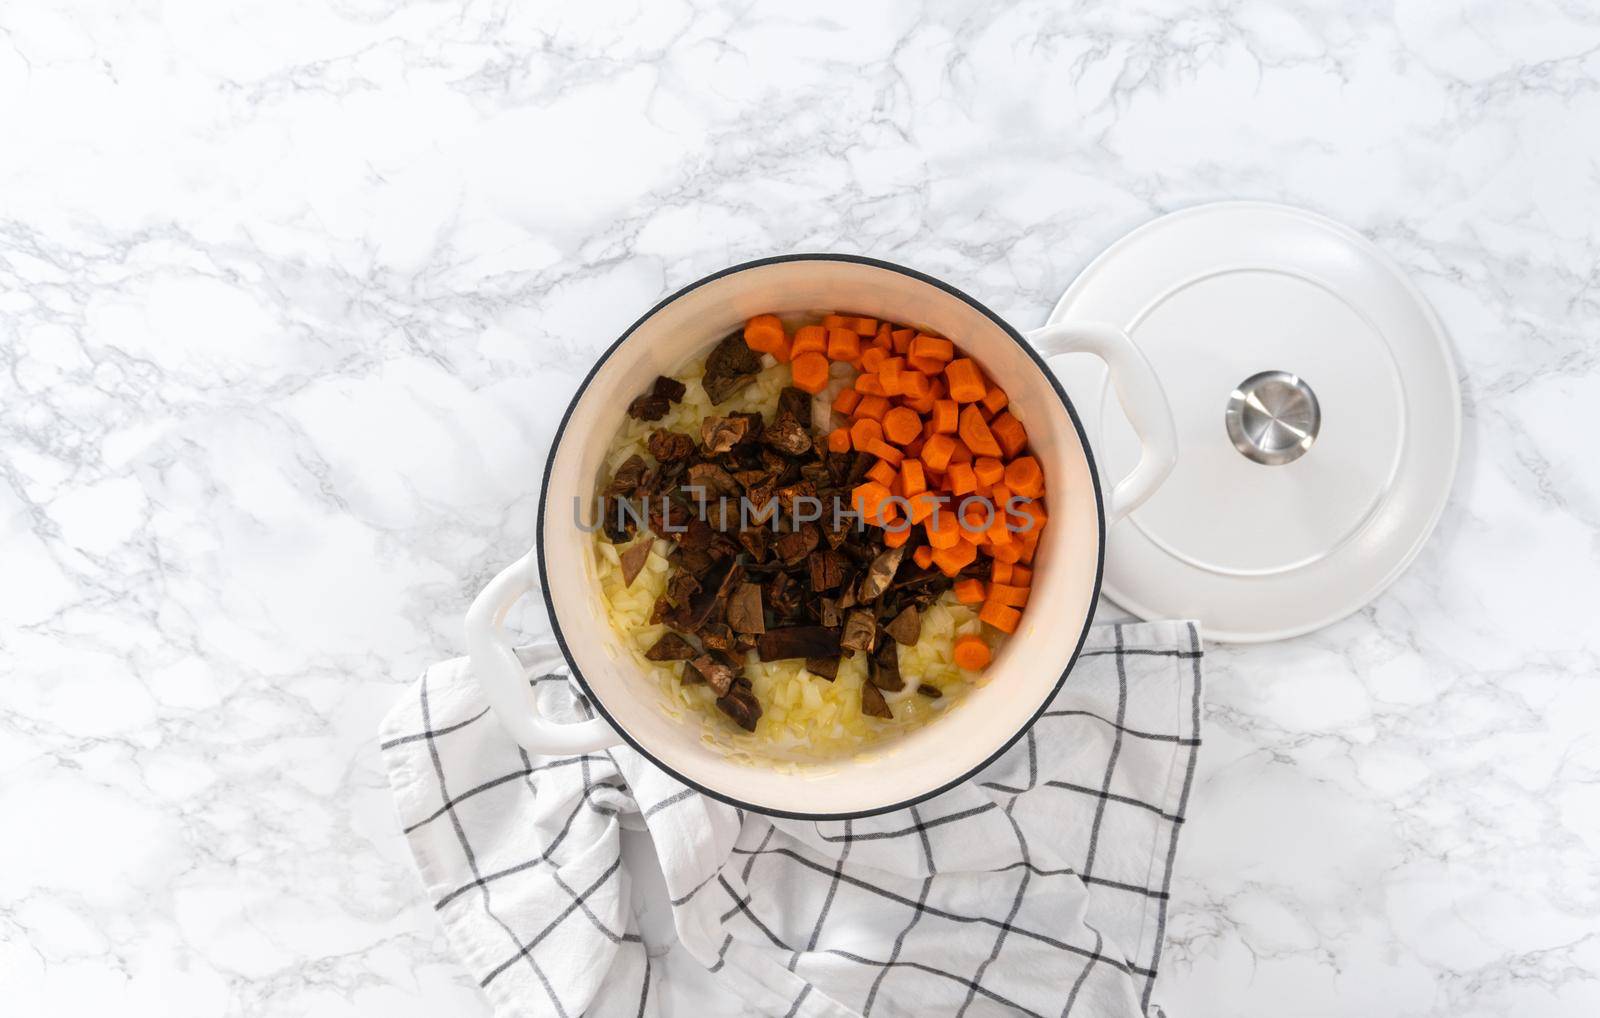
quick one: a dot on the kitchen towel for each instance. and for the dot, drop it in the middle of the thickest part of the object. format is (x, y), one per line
(1039, 888)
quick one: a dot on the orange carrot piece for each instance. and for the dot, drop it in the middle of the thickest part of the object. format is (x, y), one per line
(846, 401)
(889, 374)
(959, 453)
(966, 381)
(943, 531)
(835, 322)
(998, 532)
(971, 653)
(923, 556)
(989, 470)
(865, 326)
(923, 503)
(936, 452)
(1002, 617)
(810, 371)
(1002, 572)
(901, 425)
(1009, 432)
(912, 479)
(962, 480)
(882, 472)
(871, 500)
(902, 339)
(931, 368)
(872, 406)
(894, 538)
(913, 449)
(864, 432)
(955, 558)
(882, 340)
(764, 333)
(976, 434)
(809, 339)
(1024, 477)
(1021, 576)
(1007, 553)
(843, 345)
(869, 383)
(969, 590)
(872, 359)
(839, 440)
(914, 385)
(884, 451)
(1006, 594)
(946, 416)
(932, 347)
(995, 400)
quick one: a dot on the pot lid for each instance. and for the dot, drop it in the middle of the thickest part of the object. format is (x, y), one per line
(1317, 412)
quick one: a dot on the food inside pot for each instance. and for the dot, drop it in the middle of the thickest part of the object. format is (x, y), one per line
(819, 532)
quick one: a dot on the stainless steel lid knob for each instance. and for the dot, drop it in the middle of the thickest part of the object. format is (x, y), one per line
(1273, 417)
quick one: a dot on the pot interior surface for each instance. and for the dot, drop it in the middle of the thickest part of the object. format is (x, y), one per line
(1026, 670)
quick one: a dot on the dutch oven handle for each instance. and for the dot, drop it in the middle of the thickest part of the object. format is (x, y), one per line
(1143, 401)
(503, 676)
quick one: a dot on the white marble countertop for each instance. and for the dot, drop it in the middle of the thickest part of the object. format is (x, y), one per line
(291, 297)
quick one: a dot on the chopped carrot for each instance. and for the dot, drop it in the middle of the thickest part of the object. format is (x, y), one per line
(882, 472)
(839, 440)
(901, 425)
(946, 416)
(882, 340)
(1030, 545)
(1002, 572)
(869, 383)
(943, 531)
(959, 453)
(913, 449)
(1007, 553)
(809, 339)
(966, 381)
(835, 322)
(846, 401)
(810, 371)
(1024, 477)
(884, 451)
(962, 480)
(871, 500)
(865, 326)
(923, 556)
(1002, 617)
(927, 366)
(971, 653)
(911, 476)
(872, 406)
(936, 452)
(765, 333)
(872, 359)
(902, 339)
(916, 385)
(995, 400)
(843, 345)
(1021, 576)
(998, 532)
(989, 469)
(1008, 431)
(922, 404)
(969, 590)
(1006, 594)
(923, 503)
(889, 375)
(895, 537)
(955, 558)
(933, 348)
(976, 434)
(864, 432)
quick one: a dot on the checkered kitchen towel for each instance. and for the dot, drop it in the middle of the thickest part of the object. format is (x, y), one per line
(1039, 888)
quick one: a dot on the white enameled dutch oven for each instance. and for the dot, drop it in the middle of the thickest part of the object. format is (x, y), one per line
(1025, 673)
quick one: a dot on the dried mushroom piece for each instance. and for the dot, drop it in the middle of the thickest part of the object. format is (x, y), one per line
(906, 627)
(873, 704)
(716, 636)
(745, 613)
(742, 706)
(730, 366)
(629, 477)
(793, 546)
(931, 692)
(823, 667)
(794, 402)
(788, 436)
(720, 434)
(797, 641)
(718, 674)
(669, 389)
(880, 574)
(671, 647)
(670, 446)
(860, 631)
(883, 670)
(634, 558)
(826, 570)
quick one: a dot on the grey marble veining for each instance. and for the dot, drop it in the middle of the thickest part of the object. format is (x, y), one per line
(292, 295)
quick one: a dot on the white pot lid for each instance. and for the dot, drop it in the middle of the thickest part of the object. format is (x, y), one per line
(1317, 411)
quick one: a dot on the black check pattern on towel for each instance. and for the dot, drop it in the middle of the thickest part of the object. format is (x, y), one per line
(1040, 888)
